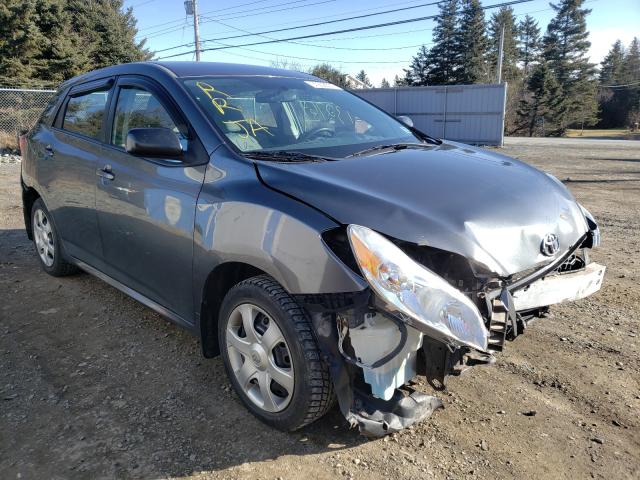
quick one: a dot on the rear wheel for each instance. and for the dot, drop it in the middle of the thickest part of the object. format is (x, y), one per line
(47, 243)
(271, 355)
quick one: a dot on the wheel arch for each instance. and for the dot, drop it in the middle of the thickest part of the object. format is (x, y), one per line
(219, 281)
(29, 196)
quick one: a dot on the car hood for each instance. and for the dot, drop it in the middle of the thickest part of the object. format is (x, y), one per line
(470, 201)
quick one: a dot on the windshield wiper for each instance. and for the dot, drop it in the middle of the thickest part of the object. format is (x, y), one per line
(286, 156)
(393, 146)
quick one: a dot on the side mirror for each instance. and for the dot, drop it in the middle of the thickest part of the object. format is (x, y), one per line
(153, 142)
(406, 120)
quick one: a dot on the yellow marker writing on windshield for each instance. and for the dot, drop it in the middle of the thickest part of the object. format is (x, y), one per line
(249, 127)
(220, 102)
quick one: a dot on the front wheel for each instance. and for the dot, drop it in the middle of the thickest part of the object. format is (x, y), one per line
(271, 355)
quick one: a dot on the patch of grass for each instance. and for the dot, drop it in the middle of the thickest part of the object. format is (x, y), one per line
(613, 133)
(8, 140)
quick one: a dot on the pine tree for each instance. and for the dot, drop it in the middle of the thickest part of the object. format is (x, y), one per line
(631, 77)
(540, 106)
(613, 106)
(62, 54)
(613, 65)
(330, 74)
(504, 18)
(362, 76)
(110, 31)
(631, 68)
(384, 83)
(20, 40)
(472, 43)
(529, 42)
(53, 40)
(418, 71)
(399, 82)
(444, 57)
(566, 49)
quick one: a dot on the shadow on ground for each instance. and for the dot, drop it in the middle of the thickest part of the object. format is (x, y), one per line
(98, 385)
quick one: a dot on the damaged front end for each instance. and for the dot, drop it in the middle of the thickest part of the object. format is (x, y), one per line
(427, 312)
(372, 396)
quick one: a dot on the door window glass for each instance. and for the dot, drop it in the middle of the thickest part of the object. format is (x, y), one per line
(85, 114)
(139, 108)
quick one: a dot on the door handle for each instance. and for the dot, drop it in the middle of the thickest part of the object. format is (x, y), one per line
(49, 151)
(105, 172)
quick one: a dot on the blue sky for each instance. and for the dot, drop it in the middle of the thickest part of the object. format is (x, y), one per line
(382, 52)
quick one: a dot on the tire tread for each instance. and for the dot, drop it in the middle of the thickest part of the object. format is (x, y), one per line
(322, 396)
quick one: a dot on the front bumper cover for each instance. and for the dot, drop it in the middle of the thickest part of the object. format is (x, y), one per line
(560, 287)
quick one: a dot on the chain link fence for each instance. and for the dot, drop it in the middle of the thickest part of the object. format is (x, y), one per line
(20, 108)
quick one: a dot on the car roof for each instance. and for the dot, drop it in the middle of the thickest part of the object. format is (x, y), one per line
(193, 69)
(184, 69)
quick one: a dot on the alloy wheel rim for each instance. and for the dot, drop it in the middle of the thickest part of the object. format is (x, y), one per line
(260, 357)
(43, 236)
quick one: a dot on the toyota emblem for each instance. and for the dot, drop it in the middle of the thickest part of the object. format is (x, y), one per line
(550, 244)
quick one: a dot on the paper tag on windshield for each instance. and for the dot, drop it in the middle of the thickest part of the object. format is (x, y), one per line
(325, 85)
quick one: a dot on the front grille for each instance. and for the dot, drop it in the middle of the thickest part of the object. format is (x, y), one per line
(573, 263)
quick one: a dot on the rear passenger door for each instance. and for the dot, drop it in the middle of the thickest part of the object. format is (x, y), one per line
(69, 153)
(146, 206)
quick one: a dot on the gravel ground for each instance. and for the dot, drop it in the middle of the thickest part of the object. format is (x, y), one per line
(94, 385)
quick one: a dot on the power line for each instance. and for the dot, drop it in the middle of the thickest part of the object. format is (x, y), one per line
(348, 48)
(317, 24)
(150, 27)
(289, 7)
(317, 46)
(178, 20)
(304, 65)
(392, 34)
(139, 4)
(377, 35)
(355, 29)
(324, 60)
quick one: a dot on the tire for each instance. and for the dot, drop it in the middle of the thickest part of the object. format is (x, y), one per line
(261, 302)
(47, 242)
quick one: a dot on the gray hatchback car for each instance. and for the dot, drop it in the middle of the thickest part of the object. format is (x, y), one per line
(322, 247)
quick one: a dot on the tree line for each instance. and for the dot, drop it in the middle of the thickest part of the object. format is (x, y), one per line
(552, 84)
(49, 41)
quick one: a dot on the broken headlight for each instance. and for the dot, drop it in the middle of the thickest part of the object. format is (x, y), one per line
(593, 227)
(431, 303)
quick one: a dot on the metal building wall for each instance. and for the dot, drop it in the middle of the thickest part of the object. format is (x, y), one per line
(464, 113)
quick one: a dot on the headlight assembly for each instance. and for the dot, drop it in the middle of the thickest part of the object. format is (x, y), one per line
(432, 305)
(593, 227)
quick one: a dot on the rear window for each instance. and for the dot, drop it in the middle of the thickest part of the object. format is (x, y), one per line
(85, 114)
(49, 112)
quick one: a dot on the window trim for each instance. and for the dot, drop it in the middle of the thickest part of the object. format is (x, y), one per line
(103, 84)
(135, 81)
(174, 111)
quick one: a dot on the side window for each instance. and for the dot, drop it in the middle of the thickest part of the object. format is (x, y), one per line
(139, 108)
(85, 114)
(49, 111)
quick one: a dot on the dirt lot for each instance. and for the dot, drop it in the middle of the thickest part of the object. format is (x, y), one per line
(94, 385)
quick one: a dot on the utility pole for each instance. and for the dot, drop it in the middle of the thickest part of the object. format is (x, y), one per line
(500, 54)
(191, 8)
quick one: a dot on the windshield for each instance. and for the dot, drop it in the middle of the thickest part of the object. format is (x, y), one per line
(262, 114)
